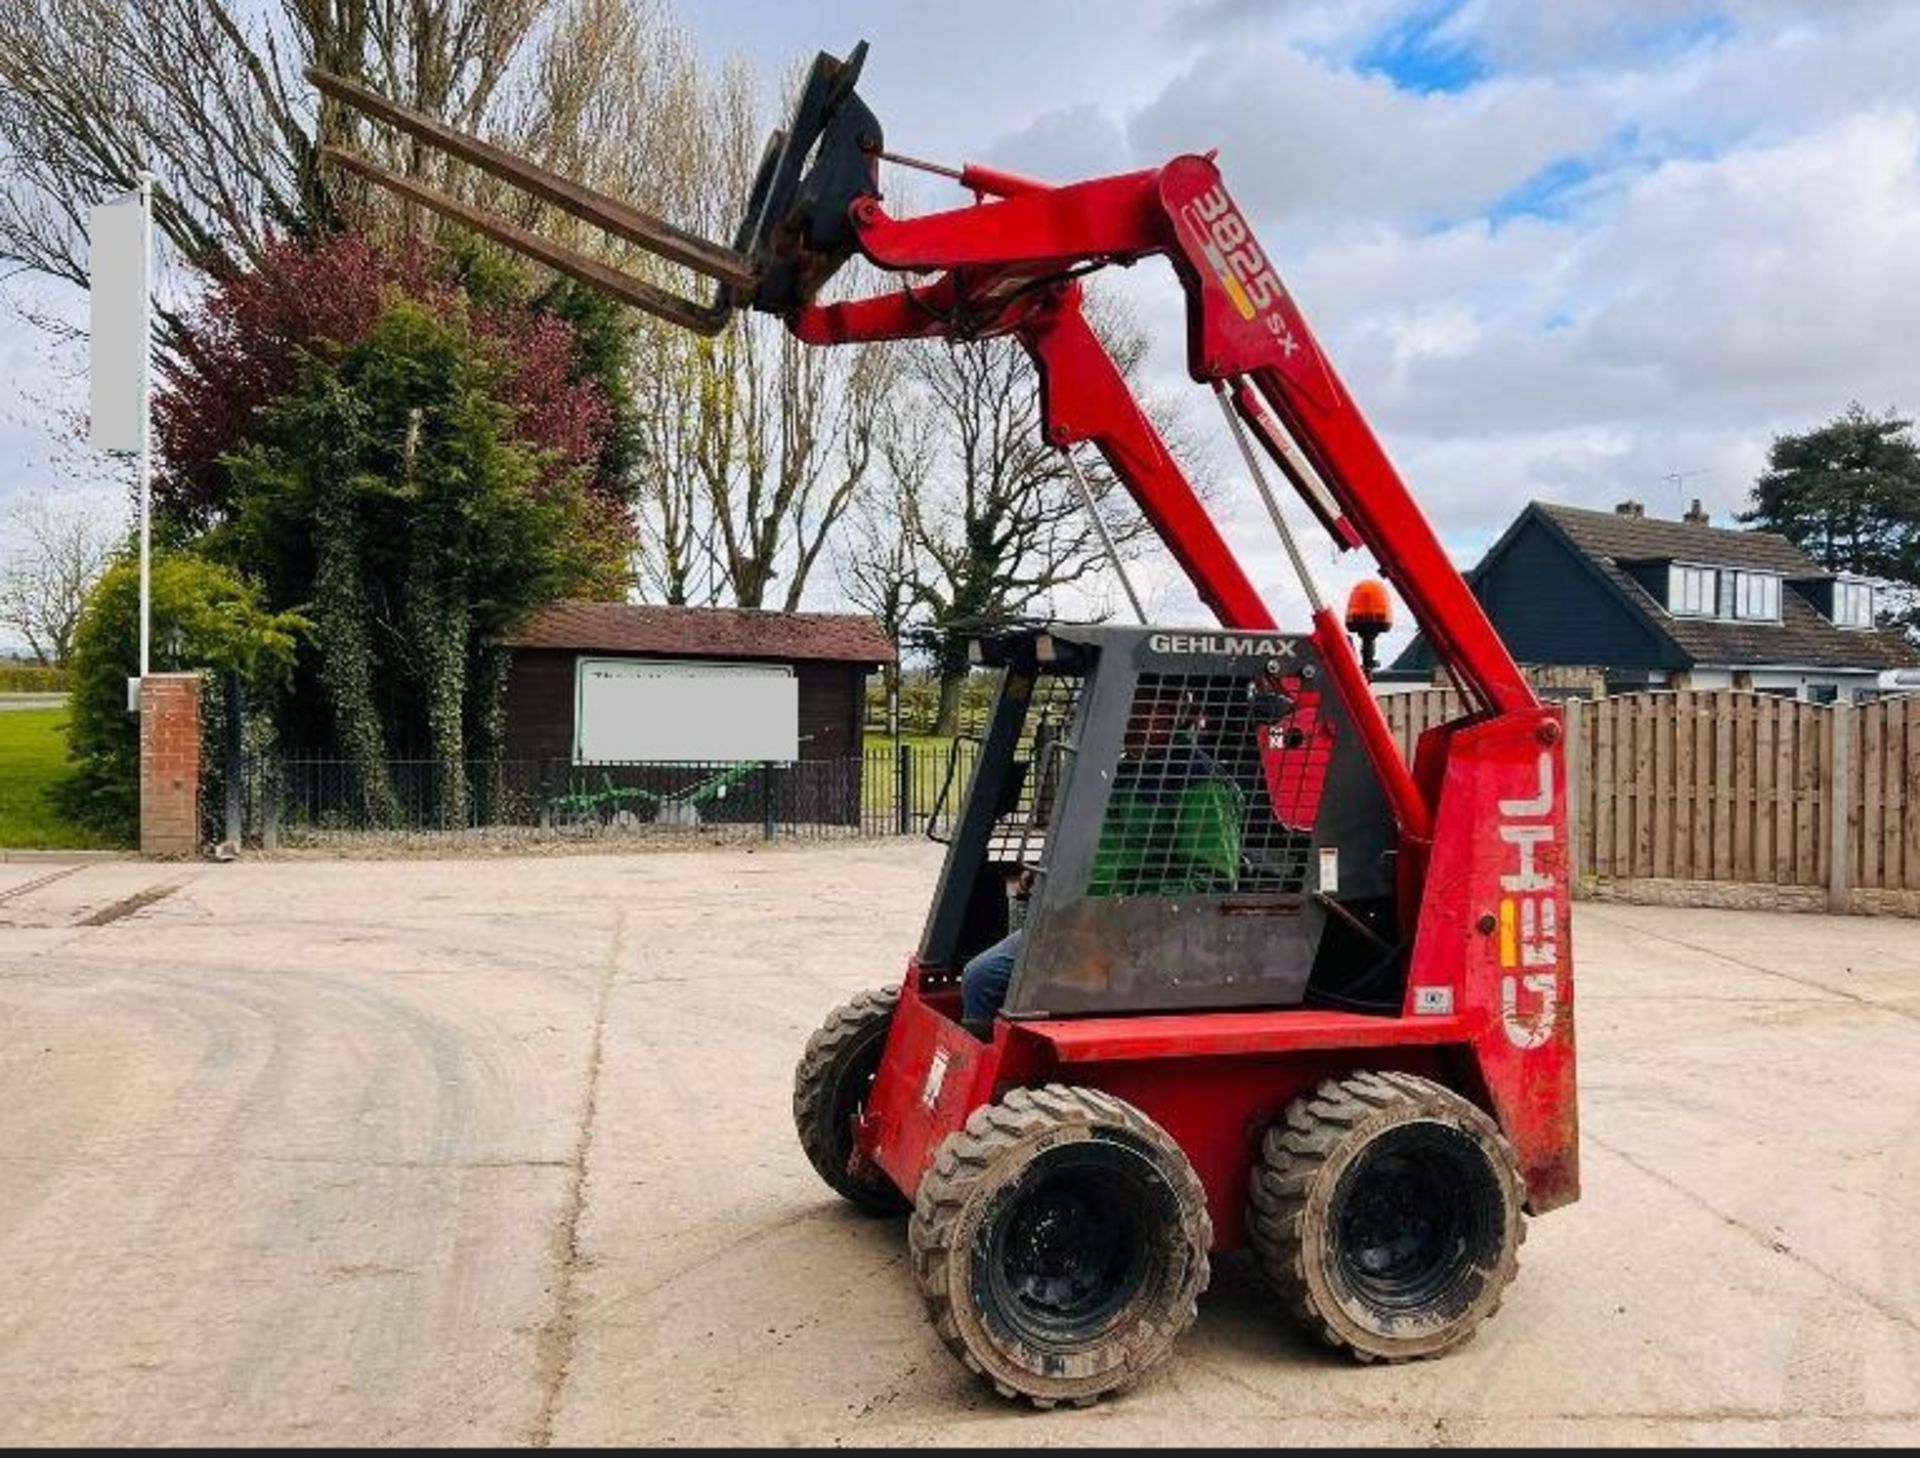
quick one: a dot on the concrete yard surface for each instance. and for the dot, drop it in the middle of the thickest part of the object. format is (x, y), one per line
(500, 1151)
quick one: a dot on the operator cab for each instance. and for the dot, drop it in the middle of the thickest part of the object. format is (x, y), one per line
(1200, 821)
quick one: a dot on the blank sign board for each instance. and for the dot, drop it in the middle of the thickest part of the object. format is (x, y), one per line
(116, 263)
(637, 709)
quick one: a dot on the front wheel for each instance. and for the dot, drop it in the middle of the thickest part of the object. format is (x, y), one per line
(830, 1089)
(1386, 1210)
(1060, 1241)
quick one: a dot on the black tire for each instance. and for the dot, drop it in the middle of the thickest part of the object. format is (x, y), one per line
(1386, 1210)
(1060, 1241)
(830, 1087)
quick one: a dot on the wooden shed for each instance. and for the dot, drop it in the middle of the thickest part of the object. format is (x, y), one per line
(593, 682)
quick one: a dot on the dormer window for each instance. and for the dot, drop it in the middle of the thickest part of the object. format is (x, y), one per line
(1694, 592)
(1756, 596)
(1723, 592)
(1853, 604)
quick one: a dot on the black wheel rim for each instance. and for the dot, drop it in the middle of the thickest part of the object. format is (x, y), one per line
(1417, 1221)
(851, 1092)
(1068, 1251)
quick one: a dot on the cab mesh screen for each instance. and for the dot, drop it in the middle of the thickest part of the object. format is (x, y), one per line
(1216, 790)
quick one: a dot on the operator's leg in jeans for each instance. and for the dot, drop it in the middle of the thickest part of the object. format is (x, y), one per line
(983, 981)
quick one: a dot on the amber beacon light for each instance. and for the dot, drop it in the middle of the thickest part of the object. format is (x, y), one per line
(1369, 614)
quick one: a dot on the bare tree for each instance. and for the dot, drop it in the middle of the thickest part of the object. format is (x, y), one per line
(879, 562)
(616, 98)
(61, 550)
(756, 445)
(209, 95)
(792, 440)
(997, 529)
(676, 558)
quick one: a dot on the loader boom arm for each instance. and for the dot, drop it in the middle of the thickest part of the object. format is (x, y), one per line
(1244, 331)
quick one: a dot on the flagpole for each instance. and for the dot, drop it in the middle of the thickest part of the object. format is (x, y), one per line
(146, 417)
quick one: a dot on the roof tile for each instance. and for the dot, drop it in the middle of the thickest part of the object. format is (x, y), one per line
(684, 632)
(1649, 539)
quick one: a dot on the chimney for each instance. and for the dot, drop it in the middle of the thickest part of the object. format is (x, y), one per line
(1695, 516)
(1630, 508)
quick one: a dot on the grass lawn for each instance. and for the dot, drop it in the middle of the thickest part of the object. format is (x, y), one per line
(882, 743)
(33, 754)
(931, 755)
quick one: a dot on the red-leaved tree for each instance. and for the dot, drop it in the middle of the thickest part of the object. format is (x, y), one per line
(244, 348)
(247, 343)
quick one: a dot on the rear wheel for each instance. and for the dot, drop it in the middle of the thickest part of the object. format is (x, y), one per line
(1060, 1241)
(830, 1089)
(1386, 1210)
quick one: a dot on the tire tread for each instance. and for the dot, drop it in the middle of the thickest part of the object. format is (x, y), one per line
(1294, 1153)
(997, 1129)
(815, 1079)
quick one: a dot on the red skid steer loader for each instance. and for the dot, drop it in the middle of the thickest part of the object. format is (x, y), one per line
(1274, 987)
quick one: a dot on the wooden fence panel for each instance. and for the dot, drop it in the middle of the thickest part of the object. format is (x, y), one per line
(1900, 796)
(1886, 781)
(1723, 788)
(1785, 787)
(1606, 801)
(1745, 735)
(1412, 713)
(1663, 795)
(1803, 818)
(1816, 734)
(1909, 776)
(1766, 747)
(1714, 786)
(1645, 729)
(1701, 791)
(1681, 865)
(1732, 787)
(1869, 775)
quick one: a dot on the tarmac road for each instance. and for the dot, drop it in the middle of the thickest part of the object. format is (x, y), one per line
(500, 1151)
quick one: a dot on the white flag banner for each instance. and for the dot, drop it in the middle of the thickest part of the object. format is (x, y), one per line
(116, 263)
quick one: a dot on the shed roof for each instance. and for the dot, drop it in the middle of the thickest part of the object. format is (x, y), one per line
(688, 632)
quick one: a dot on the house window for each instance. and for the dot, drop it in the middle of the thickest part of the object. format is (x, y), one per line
(1756, 595)
(1694, 592)
(1853, 604)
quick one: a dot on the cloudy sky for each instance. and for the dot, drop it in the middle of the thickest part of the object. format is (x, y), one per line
(1558, 250)
(1561, 250)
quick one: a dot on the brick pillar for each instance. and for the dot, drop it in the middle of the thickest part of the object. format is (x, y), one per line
(170, 764)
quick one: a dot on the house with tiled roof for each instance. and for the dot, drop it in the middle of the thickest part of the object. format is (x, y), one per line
(1597, 601)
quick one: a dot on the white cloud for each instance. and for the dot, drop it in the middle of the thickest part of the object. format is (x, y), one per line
(1306, 143)
(1770, 271)
(1757, 291)
(1332, 27)
(1065, 145)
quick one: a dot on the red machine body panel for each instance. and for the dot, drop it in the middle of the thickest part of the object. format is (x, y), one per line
(1494, 920)
(1295, 756)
